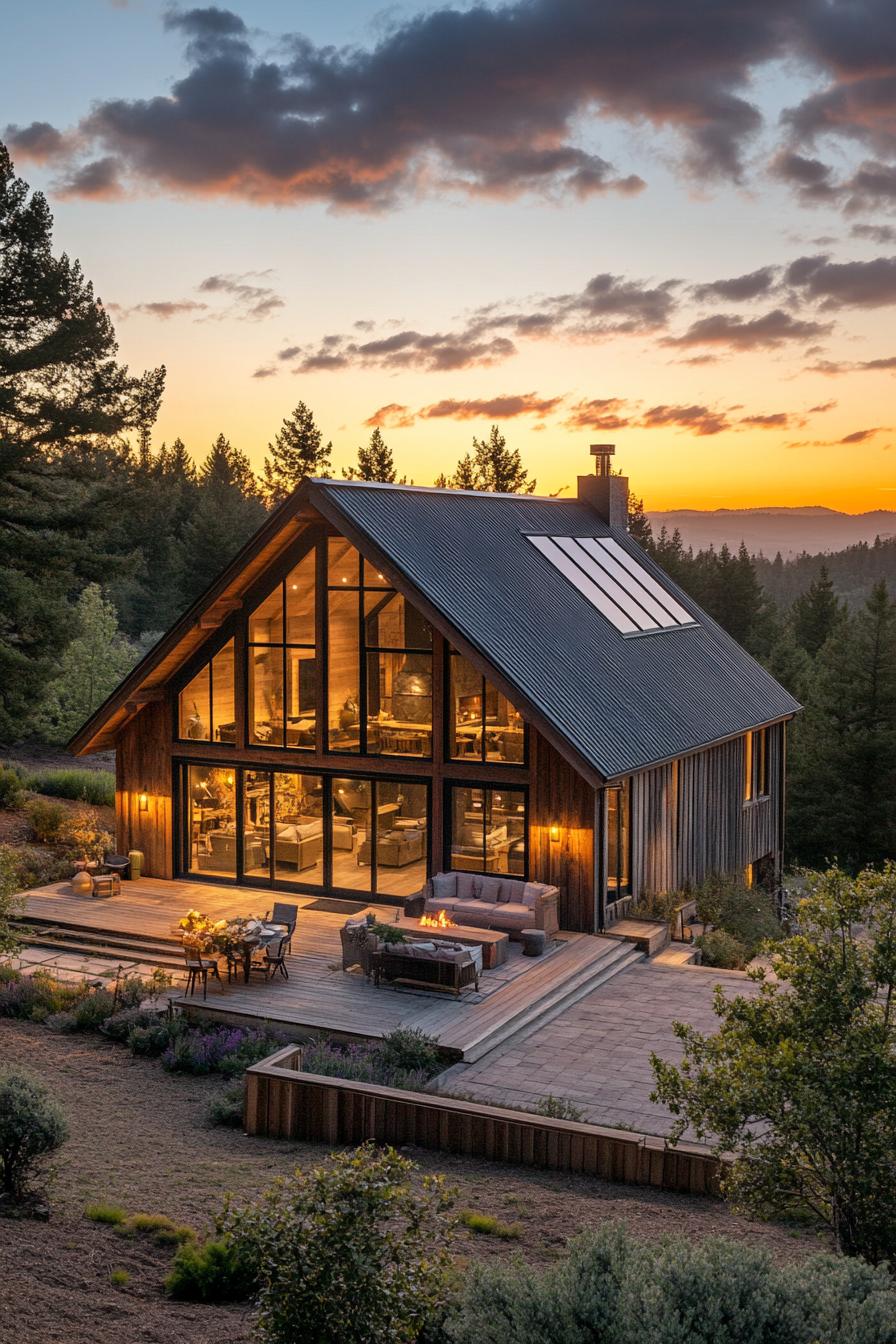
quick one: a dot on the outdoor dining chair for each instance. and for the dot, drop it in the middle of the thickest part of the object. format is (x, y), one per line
(275, 958)
(286, 915)
(199, 969)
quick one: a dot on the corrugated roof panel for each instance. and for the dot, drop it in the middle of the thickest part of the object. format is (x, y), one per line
(622, 703)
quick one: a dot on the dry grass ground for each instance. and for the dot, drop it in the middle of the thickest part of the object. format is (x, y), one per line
(139, 1139)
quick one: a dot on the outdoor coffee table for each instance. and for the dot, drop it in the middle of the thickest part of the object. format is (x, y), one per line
(493, 942)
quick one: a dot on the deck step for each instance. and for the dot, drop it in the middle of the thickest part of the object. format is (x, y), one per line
(92, 931)
(678, 954)
(650, 935)
(588, 969)
(79, 941)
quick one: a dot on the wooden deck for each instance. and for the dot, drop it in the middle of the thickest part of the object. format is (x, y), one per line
(319, 995)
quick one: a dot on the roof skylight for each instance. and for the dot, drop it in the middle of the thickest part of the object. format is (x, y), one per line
(614, 583)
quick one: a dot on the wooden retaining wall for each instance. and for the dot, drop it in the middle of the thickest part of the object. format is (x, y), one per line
(284, 1103)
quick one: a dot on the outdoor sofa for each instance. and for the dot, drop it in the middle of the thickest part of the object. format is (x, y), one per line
(493, 902)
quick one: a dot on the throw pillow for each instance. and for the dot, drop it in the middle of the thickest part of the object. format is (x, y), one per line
(476, 888)
(444, 885)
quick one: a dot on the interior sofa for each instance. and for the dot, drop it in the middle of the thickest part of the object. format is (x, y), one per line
(221, 853)
(301, 844)
(394, 849)
(467, 850)
(493, 902)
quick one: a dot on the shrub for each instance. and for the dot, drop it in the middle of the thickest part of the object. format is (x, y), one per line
(119, 1278)
(616, 1290)
(723, 950)
(487, 1226)
(747, 913)
(227, 1107)
(121, 1023)
(88, 1014)
(83, 834)
(11, 787)
(105, 1213)
(83, 786)
(34, 866)
(659, 904)
(154, 1039)
(46, 819)
(359, 1234)
(213, 1271)
(163, 1230)
(406, 1050)
(31, 1126)
(38, 996)
(558, 1108)
(10, 901)
(227, 1050)
(389, 934)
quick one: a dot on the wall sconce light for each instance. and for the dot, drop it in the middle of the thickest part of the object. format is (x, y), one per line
(143, 802)
(228, 780)
(555, 833)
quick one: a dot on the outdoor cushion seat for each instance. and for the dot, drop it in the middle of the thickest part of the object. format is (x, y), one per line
(493, 901)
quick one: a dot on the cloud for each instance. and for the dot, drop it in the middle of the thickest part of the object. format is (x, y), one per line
(393, 416)
(165, 309)
(38, 143)
(98, 180)
(699, 419)
(875, 233)
(812, 180)
(772, 329)
(739, 288)
(493, 408)
(847, 284)
(776, 420)
(603, 413)
(487, 101)
(861, 435)
(265, 371)
(248, 300)
(824, 406)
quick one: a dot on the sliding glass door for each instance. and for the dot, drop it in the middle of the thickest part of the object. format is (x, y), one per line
(297, 830)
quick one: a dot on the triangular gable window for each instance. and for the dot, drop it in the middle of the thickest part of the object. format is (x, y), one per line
(206, 706)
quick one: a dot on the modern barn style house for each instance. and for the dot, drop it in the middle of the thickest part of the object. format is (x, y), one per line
(390, 681)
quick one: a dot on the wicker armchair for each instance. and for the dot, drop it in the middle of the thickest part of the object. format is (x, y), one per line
(359, 946)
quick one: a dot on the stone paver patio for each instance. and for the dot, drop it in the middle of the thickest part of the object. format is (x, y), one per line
(597, 1052)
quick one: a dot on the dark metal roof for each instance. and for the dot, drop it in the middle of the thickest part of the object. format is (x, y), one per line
(622, 703)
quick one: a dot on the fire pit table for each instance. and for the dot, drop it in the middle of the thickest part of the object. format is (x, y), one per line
(493, 942)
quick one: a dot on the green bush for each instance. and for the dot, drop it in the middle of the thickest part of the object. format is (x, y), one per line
(34, 866)
(96, 787)
(407, 1050)
(612, 1289)
(152, 1040)
(105, 1213)
(88, 1014)
(121, 1023)
(39, 996)
(46, 819)
(747, 913)
(389, 934)
(119, 1278)
(723, 950)
(659, 904)
(32, 1125)
(162, 1229)
(11, 788)
(558, 1108)
(213, 1271)
(361, 1235)
(487, 1226)
(227, 1107)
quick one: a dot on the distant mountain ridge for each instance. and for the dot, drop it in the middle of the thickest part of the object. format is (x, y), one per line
(767, 530)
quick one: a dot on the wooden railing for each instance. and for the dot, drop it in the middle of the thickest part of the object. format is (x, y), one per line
(283, 1102)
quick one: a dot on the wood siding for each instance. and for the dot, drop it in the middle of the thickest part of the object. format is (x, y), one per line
(143, 765)
(684, 830)
(560, 797)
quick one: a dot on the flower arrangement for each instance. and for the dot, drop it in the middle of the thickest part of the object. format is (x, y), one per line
(200, 933)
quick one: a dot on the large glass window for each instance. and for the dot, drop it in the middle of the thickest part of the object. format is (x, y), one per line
(298, 840)
(488, 830)
(205, 707)
(211, 820)
(756, 765)
(482, 723)
(388, 711)
(380, 835)
(282, 664)
(618, 839)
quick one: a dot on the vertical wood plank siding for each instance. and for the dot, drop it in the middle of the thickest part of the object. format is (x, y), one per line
(559, 796)
(285, 1104)
(708, 828)
(143, 765)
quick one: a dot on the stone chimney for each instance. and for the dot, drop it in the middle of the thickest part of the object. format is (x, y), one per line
(605, 493)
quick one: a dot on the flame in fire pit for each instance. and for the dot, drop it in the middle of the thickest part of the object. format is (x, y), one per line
(439, 921)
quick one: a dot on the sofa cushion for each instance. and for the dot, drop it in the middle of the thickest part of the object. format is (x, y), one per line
(491, 889)
(444, 886)
(465, 886)
(310, 829)
(434, 904)
(532, 893)
(287, 833)
(482, 909)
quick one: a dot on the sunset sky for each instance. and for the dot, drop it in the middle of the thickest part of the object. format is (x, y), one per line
(669, 225)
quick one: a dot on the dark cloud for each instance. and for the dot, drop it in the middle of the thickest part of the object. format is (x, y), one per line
(772, 329)
(248, 300)
(875, 233)
(265, 371)
(776, 420)
(824, 406)
(845, 284)
(860, 435)
(812, 180)
(165, 309)
(98, 180)
(699, 419)
(38, 143)
(485, 100)
(739, 288)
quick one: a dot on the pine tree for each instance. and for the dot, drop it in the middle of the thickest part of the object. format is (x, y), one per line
(228, 511)
(64, 400)
(817, 613)
(375, 462)
(843, 778)
(491, 466)
(297, 451)
(90, 668)
(639, 528)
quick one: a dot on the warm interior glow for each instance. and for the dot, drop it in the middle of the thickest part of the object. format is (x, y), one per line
(439, 921)
(143, 802)
(555, 832)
